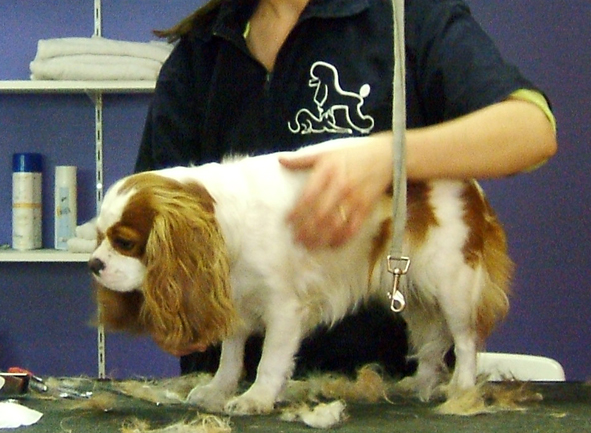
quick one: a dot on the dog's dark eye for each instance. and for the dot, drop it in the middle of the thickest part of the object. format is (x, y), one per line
(124, 244)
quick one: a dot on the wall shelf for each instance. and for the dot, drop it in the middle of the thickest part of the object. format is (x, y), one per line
(49, 86)
(95, 90)
(44, 255)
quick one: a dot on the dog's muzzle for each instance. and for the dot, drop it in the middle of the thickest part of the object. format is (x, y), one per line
(96, 266)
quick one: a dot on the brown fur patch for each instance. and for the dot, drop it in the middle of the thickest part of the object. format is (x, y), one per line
(369, 386)
(201, 424)
(420, 215)
(487, 245)
(379, 244)
(480, 218)
(119, 311)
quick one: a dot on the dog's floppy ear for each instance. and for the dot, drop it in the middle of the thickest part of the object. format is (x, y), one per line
(187, 297)
(119, 311)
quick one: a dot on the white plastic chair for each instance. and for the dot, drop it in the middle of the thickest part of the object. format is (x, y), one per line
(510, 366)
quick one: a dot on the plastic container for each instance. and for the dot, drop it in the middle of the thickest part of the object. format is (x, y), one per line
(66, 209)
(27, 169)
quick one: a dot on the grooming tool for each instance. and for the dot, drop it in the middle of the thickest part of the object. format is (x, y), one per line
(38, 384)
(35, 382)
(13, 385)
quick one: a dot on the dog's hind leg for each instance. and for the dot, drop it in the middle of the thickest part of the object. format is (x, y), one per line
(458, 301)
(429, 340)
(434, 327)
(282, 340)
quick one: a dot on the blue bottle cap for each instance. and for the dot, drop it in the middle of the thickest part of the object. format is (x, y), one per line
(27, 162)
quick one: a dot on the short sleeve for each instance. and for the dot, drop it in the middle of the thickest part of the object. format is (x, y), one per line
(458, 67)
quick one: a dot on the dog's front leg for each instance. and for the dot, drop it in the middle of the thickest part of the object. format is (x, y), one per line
(213, 396)
(282, 340)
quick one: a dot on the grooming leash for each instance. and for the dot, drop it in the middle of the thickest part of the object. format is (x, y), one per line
(398, 264)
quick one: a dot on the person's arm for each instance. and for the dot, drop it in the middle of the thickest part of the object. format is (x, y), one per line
(496, 141)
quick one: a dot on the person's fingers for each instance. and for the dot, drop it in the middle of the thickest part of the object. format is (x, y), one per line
(317, 197)
(328, 212)
(332, 230)
(298, 162)
(319, 213)
(351, 219)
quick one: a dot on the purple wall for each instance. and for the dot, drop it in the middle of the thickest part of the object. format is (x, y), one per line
(548, 213)
(45, 308)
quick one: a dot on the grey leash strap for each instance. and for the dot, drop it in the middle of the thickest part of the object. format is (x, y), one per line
(398, 264)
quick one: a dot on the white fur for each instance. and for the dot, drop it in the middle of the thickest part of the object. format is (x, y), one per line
(284, 290)
(123, 273)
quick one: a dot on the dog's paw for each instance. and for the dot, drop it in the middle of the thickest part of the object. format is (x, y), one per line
(425, 388)
(250, 403)
(465, 402)
(208, 397)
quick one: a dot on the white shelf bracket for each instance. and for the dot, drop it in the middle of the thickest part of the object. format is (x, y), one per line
(98, 110)
(98, 20)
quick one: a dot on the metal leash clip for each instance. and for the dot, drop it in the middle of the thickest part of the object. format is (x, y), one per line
(398, 266)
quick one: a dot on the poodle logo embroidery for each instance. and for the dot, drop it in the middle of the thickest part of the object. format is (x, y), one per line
(337, 110)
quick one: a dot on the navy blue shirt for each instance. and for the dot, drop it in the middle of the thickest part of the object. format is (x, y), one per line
(332, 78)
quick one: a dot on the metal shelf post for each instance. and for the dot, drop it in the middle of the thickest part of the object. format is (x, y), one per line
(98, 110)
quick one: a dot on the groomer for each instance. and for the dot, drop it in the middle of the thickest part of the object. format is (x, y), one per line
(255, 76)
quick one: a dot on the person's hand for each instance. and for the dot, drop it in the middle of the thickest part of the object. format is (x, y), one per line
(344, 185)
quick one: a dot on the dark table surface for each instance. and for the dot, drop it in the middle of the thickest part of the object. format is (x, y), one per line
(564, 407)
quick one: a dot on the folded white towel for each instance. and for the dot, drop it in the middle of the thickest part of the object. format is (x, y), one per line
(87, 230)
(77, 245)
(85, 240)
(94, 59)
(95, 67)
(49, 48)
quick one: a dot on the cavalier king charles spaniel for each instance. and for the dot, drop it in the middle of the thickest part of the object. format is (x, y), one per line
(194, 256)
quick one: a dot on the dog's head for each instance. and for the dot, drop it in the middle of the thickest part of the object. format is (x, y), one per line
(160, 264)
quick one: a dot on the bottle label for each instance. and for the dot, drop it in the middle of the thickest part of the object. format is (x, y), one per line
(26, 211)
(64, 227)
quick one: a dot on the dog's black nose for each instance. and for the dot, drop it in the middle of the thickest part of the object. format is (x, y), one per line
(96, 265)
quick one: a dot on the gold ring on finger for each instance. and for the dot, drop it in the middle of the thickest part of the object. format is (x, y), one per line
(343, 213)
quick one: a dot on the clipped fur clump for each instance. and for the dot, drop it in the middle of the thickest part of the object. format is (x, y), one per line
(323, 415)
(368, 386)
(163, 391)
(511, 395)
(487, 397)
(201, 424)
(98, 402)
(318, 401)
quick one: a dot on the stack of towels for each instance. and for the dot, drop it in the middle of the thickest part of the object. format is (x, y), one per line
(98, 58)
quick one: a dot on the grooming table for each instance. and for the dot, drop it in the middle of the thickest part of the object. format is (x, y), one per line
(566, 407)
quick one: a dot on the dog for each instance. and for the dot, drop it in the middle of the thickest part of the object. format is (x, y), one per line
(204, 254)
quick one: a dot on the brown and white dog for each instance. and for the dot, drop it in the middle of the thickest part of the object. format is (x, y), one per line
(199, 255)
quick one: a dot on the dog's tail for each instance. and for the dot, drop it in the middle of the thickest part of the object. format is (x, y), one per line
(498, 271)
